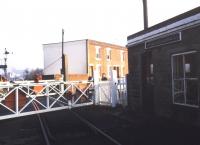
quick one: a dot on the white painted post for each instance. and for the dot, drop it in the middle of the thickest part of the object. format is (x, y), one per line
(73, 95)
(17, 100)
(47, 95)
(96, 98)
(125, 92)
(113, 87)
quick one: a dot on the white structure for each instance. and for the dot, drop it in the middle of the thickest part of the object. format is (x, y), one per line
(49, 97)
(76, 61)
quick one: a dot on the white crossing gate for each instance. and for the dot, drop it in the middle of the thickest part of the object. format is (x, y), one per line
(16, 99)
(110, 92)
(103, 93)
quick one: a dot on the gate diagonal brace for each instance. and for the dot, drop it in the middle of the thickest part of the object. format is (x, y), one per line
(61, 95)
(82, 92)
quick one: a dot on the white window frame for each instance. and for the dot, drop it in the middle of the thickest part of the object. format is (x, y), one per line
(108, 54)
(97, 53)
(183, 79)
(122, 55)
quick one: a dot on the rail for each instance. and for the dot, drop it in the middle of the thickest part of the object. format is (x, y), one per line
(96, 129)
(42, 125)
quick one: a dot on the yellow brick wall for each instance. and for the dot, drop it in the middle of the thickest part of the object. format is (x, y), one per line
(115, 57)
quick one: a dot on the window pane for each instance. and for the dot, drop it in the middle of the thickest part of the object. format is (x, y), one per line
(98, 52)
(178, 67)
(108, 54)
(192, 92)
(179, 91)
(191, 65)
(151, 69)
(179, 98)
(178, 86)
(185, 79)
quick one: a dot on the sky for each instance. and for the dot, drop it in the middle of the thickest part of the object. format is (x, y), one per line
(27, 24)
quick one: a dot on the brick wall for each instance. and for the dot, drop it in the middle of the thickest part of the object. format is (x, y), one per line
(162, 91)
(115, 59)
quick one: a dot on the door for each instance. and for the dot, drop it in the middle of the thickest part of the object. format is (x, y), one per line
(147, 82)
(91, 71)
(117, 69)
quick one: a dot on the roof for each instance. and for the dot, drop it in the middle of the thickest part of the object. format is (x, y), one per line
(177, 23)
(105, 44)
(65, 42)
(91, 41)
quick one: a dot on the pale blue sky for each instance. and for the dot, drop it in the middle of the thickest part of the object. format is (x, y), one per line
(27, 24)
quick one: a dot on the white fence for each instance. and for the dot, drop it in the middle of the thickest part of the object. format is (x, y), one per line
(122, 91)
(17, 99)
(111, 93)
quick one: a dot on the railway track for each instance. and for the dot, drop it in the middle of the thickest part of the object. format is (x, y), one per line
(74, 127)
(71, 128)
(83, 126)
(44, 129)
(21, 131)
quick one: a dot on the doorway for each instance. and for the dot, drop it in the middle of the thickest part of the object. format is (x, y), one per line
(147, 82)
(117, 69)
(91, 71)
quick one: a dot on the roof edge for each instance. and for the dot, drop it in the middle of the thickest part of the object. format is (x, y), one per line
(65, 41)
(166, 22)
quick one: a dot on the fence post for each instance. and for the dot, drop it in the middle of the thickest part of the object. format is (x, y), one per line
(47, 94)
(96, 88)
(125, 92)
(113, 87)
(17, 100)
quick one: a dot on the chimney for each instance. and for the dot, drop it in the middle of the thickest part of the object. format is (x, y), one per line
(145, 13)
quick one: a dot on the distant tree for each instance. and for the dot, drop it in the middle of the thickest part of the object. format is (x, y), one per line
(30, 74)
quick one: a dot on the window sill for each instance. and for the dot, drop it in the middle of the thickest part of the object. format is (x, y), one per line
(186, 105)
(98, 58)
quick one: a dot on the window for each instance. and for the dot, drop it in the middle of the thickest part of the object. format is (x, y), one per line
(122, 53)
(108, 54)
(98, 52)
(184, 79)
(151, 69)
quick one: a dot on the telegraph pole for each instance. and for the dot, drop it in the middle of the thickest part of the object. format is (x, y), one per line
(145, 14)
(63, 70)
